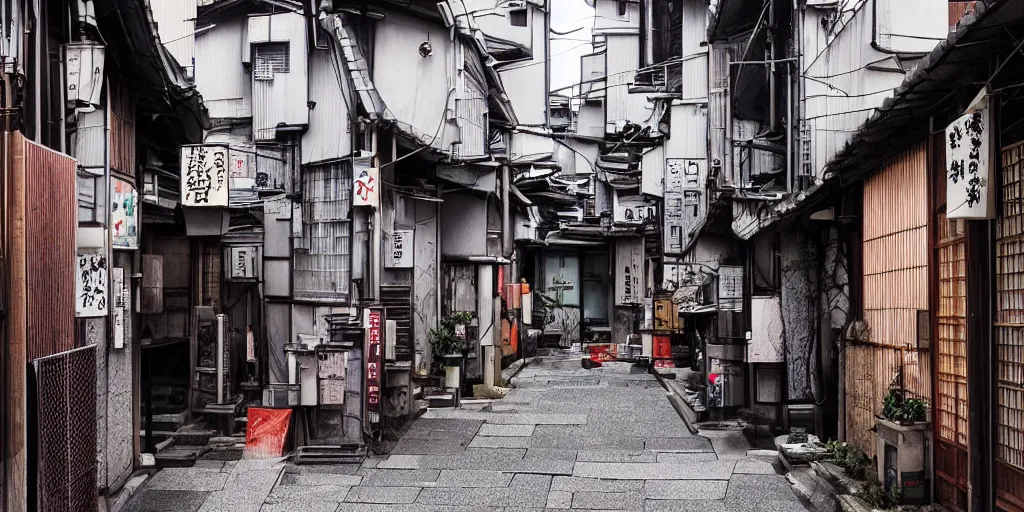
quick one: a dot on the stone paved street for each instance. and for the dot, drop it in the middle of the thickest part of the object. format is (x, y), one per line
(564, 438)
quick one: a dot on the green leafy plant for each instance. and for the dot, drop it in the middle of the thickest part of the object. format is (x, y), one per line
(898, 408)
(851, 458)
(876, 495)
(443, 340)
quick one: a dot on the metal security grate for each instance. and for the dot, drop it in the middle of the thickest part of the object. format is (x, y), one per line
(322, 253)
(65, 431)
(271, 58)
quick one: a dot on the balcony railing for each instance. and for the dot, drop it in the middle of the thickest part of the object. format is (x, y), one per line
(661, 78)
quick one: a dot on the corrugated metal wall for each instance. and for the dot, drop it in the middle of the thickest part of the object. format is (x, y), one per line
(51, 226)
(329, 135)
(623, 59)
(1009, 331)
(895, 253)
(220, 77)
(283, 99)
(122, 127)
(176, 24)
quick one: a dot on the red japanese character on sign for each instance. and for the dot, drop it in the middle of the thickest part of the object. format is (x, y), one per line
(365, 187)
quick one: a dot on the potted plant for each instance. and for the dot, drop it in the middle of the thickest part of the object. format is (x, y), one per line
(899, 409)
(448, 345)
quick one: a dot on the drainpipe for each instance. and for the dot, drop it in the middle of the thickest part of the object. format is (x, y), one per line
(773, 106)
(375, 221)
(506, 213)
(789, 131)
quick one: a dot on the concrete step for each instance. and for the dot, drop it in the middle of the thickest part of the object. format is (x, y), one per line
(178, 456)
(446, 400)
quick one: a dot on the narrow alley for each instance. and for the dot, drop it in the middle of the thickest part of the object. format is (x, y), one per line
(564, 437)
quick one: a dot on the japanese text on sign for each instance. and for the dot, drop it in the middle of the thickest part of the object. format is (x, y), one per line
(91, 290)
(373, 362)
(968, 173)
(401, 249)
(204, 175)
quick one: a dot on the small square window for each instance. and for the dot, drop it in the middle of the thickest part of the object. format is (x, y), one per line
(623, 7)
(518, 18)
(271, 58)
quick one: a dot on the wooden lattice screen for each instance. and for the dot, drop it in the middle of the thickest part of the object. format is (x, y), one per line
(1009, 333)
(949, 408)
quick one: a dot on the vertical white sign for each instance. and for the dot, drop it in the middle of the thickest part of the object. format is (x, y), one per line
(969, 189)
(629, 271)
(401, 249)
(204, 175)
(120, 305)
(91, 297)
(366, 187)
(730, 288)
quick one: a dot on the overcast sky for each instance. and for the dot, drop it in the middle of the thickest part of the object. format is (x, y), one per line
(566, 50)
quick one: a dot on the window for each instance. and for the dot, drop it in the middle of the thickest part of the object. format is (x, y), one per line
(517, 18)
(322, 257)
(271, 58)
(623, 6)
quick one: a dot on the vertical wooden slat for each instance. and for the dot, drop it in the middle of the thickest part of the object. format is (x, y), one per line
(895, 254)
(16, 458)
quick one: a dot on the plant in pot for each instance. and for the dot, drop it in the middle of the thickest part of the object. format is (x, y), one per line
(899, 409)
(446, 346)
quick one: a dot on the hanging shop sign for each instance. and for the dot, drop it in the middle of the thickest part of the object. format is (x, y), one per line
(374, 364)
(121, 301)
(204, 175)
(766, 342)
(83, 70)
(633, 209)
(243, 262)
(124, 215)
(91, 297)
(730, 288)
(366, 184)
(401, 249)
(970, 193)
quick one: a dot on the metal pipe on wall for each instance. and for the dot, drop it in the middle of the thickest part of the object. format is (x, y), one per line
(506, 213)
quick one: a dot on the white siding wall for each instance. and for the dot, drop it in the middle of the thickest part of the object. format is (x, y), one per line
(623, 59)
(225, 85)
(609, 21)
(414, 88)
(329, 134)
(176, 24)
(526, 83)
(283, 99)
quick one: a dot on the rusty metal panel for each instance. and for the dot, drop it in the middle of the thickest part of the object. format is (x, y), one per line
(51, 226)
(64, 403)
(122, 127)
(1009, 331)
(957, 10)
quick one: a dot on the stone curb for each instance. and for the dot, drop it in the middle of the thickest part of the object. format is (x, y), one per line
(682, 408)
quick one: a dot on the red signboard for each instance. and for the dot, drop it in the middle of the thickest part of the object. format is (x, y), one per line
(374, 365)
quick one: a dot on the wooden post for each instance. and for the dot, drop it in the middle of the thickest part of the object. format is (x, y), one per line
(16, 457)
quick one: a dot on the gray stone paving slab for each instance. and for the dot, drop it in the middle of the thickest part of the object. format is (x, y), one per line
(235, 501)
(188, 479)
(286, 493)
(305, 478)
(542, 467)
(474, 458)
(728, 444)
(679, 444)
(372, 507)
(461, 478)
(568, 443)
(530, 482)
(578, 484)
(559, 499)
(451, 446)
(688, 506)
(590, 500)
(754, 467)
(538, 419)
(614, 455)
(488, 429)
(685, 458)
(400, 477)
(483, 497)
(715, 470)
(500, 442)
(159, 500)
(550, 454)
(382, 495)
(301, 505)
(762, 493)
(686, 489)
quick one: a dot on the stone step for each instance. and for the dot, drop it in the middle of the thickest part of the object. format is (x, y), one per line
(178, 456)
(446, 400)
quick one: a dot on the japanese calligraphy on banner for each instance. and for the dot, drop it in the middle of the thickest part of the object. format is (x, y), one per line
(91, 298)
(730, 288)
(969, 189)
(633, 209)
(374, 364)
(366, 187)
(401, 249)
(204, 175)
(629, 271)
(124, 215)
